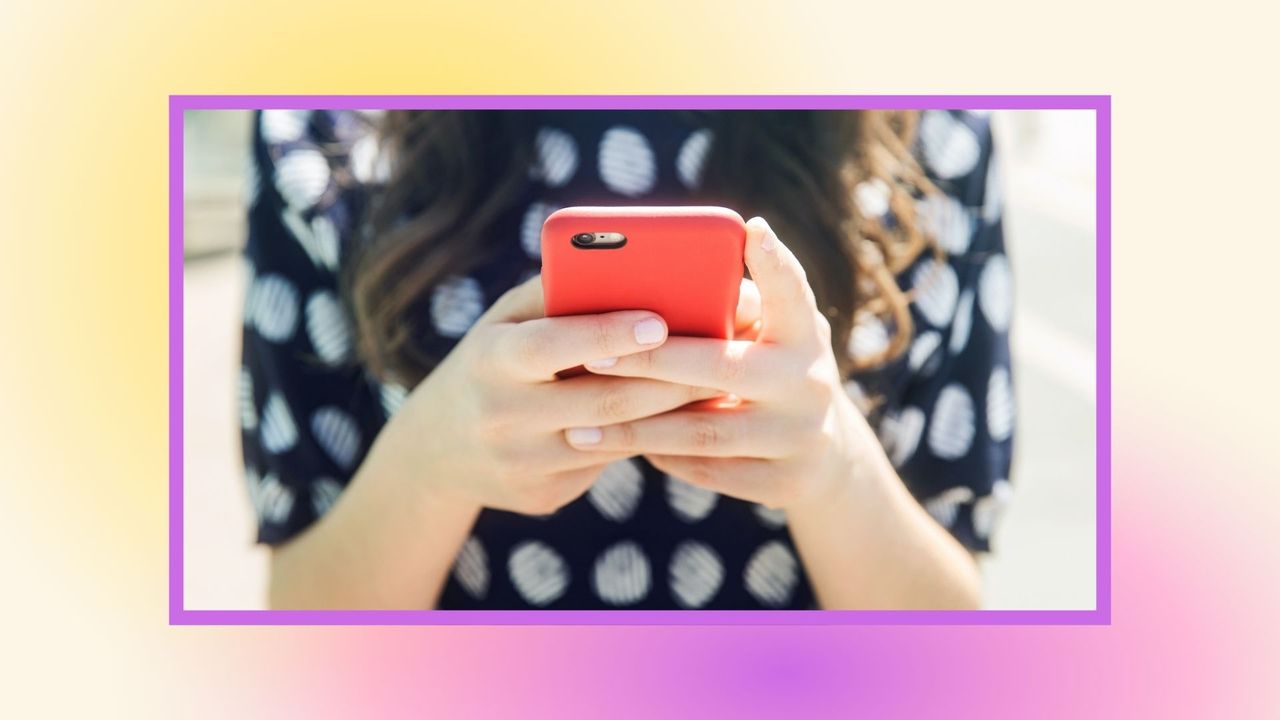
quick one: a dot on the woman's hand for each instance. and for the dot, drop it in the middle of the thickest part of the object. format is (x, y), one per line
(796, 437)
(488, 426)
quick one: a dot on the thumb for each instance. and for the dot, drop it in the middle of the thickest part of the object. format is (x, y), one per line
(788, 308)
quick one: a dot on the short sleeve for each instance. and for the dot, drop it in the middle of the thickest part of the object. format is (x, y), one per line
(949, 421)
(308, 411)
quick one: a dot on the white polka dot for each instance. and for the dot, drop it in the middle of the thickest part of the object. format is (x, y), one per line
(328, 328)
(869, 338)
(248, 409)
(557, 157)
(951, 427)
(692, 158)
(282, 126)
(950, 147)
(273, 303)
(962, 323)
(771, 574)
(471, 568)
(1000, 406)
(944, 219)
(989, 508)
(369, 164)
(278, 431)
(302, 176)
(616, 493)
(690, 502)
(872, 197)
(531, 228)
(456, 304)
(626, 162)
(900, 433)
(936, 289)
(773, 518)
(944, 506)
(319, 239)
(392, 396)
(336, 433)
(995, 292)
(621, 575)
(695, 574)
(324, 493)
(272, 501)
(324, 239)
(993, 195)
(923, 357)
(539, 574)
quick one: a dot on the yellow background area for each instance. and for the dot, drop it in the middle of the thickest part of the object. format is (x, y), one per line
(83, 304)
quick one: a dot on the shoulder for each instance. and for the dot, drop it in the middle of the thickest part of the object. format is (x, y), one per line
(311, 173)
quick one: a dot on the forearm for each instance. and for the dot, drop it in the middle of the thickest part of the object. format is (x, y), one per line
(387, 543)
(870, 545)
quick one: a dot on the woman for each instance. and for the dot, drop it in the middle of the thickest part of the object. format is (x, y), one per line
(401, 251)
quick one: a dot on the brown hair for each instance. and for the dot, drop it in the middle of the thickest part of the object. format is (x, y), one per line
(454, 173)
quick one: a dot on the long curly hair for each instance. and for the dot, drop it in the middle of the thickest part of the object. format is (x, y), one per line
(812, 174)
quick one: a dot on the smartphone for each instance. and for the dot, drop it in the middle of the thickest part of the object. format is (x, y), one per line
(683, 263)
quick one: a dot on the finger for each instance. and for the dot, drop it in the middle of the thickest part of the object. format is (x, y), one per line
(789, 311)
(740, 367)
(750, 479)
(538, 349)
(688, 433)
(746, 322)
(592, 401)
(567, 459)
(520, 303)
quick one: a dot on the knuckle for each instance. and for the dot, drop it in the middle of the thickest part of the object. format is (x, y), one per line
(602, 336)
(614, 403)
(822, 326)
(625, 436)
(532, 347)
(730, 367)
(644, 361)
(705, 434)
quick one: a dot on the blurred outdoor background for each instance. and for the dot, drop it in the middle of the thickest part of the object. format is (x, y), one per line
(1045, 545)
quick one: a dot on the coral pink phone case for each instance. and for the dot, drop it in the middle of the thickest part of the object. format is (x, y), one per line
(683, 263)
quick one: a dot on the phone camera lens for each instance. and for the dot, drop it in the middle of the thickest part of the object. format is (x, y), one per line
(584, 238)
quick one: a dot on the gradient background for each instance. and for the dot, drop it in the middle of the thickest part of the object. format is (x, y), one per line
(83, 340)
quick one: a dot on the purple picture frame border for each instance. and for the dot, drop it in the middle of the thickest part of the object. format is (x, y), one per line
(1099, 615)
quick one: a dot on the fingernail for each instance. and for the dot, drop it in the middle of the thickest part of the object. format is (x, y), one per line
(650, 331)
(768, 239)
(584, 436)
(769, 242)
(602, 363)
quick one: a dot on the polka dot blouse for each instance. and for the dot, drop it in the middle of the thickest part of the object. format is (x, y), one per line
(309, 411)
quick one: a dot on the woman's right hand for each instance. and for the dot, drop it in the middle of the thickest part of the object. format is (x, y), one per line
(488, 426)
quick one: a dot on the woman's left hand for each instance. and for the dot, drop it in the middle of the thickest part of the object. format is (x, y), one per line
(795, 439)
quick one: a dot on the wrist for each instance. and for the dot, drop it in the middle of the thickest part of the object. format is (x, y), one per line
(853, 465)
(411, 466)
